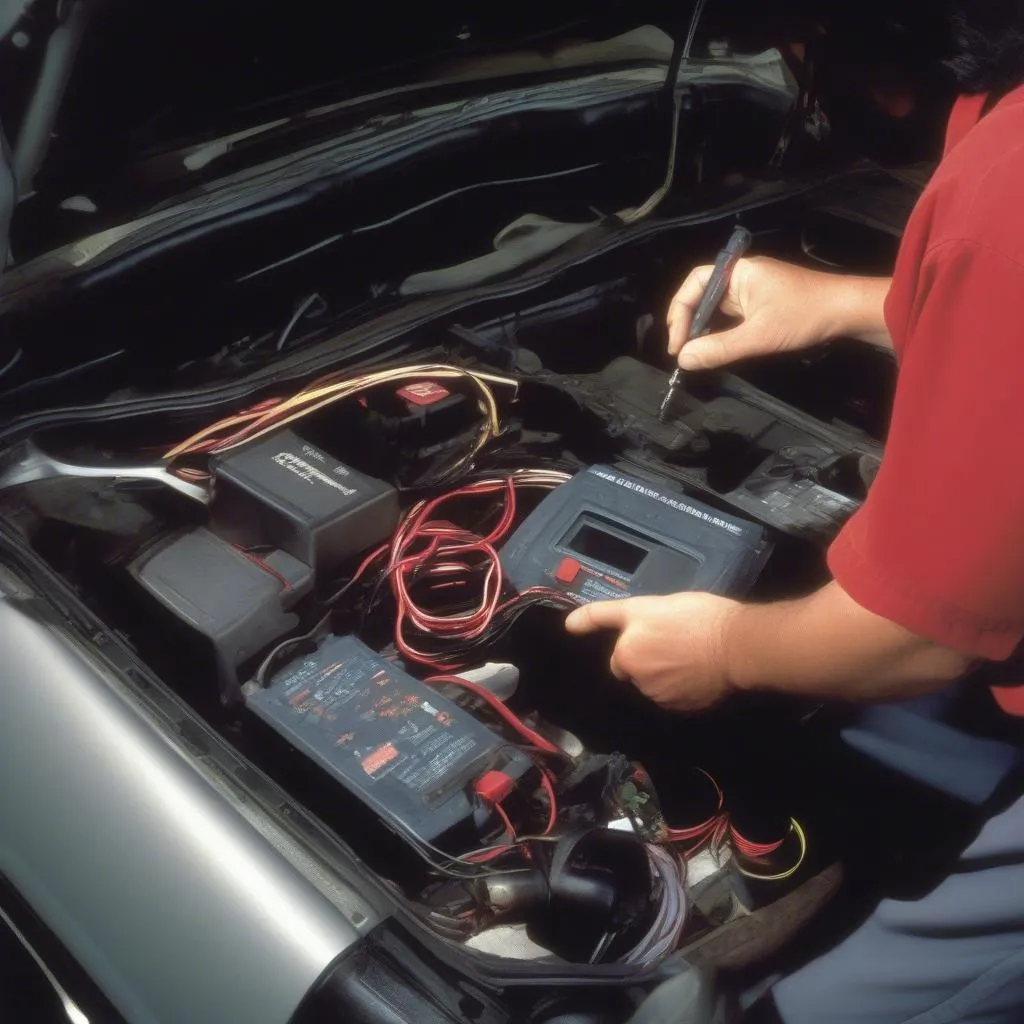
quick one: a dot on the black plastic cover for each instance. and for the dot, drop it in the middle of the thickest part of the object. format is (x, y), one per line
(238, 603)
(758, 456)
(389, 977)
(287, 493)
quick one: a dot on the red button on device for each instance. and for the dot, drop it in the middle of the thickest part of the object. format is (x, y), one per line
(567, 570)
(424, 392)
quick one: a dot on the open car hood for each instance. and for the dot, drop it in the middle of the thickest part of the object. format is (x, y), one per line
(109, 107)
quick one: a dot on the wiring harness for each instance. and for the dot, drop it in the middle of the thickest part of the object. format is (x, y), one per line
(718, 831)
(274, 413)
(668, 853)
(668, 871)
(429, 551)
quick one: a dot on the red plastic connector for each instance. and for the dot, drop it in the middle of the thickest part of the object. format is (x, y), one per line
(494, 786)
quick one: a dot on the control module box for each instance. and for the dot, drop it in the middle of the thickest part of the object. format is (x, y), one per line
(397, 744)
(292, 495)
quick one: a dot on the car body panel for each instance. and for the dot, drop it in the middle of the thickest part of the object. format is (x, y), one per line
(177, 906)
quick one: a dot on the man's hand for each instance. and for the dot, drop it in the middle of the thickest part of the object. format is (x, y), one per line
(781, 308)
(671, 648)
(688, 651)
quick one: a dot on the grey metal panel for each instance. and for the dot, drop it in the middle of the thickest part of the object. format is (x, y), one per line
(180, 910)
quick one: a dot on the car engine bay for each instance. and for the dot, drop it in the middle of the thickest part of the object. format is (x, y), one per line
(334, 374)
(360, 582)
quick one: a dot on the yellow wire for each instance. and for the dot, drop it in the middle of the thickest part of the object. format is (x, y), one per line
(796, 828)
(304, 402)
(237, 420)
(316, 396)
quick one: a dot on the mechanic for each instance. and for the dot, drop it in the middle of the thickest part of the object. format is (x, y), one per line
(926, 584)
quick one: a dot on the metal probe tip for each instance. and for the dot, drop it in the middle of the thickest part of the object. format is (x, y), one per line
(670, 395)
(714, 291)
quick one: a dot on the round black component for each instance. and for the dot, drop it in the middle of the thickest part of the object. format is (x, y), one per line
(599, 882)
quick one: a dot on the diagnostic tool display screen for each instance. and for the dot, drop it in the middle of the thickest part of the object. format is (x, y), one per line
(602, 535)
(590, 541)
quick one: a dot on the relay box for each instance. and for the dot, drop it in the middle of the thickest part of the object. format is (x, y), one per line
(286, 516)
(394, 742)
(605, 535)
(290, 494)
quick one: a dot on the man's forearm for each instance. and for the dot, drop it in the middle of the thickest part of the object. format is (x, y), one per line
(859, 309)
(828, 647)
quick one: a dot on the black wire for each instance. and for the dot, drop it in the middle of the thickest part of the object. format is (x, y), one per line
(12, 362)
(452, 866)
(345, 588)
(269, 661)
(497, 630)
(372, 600)
(303, 309)
(71, 371)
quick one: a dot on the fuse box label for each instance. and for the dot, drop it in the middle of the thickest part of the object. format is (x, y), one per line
(384, 728)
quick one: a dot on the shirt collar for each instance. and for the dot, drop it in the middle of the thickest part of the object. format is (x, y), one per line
(967, 112)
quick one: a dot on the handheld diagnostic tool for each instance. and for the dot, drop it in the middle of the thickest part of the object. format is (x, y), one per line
(605, 535)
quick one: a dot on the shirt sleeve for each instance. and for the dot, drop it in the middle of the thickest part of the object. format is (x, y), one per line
(938, 546)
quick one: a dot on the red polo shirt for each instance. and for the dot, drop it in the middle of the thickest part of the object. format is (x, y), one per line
(938, 545)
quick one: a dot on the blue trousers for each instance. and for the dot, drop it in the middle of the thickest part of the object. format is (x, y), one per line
(955, 956)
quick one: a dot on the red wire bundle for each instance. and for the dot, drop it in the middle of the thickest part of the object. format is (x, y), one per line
(717, 828)
(751, 849)
(699, 834)
(510, 718)
(428, 547)
(533, 737)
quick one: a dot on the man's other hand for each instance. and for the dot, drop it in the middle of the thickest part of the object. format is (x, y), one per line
(671, 648)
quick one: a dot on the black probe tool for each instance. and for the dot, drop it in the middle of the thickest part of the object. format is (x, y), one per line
(714, 292)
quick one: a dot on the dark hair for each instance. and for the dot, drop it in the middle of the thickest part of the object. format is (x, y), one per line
(989, 38)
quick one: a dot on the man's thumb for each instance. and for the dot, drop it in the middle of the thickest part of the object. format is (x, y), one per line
(714, 350)
(600, 615)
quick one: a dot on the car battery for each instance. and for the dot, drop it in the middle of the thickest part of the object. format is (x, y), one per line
(393, 742)
(605, 535)
(283, 492)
